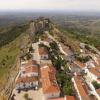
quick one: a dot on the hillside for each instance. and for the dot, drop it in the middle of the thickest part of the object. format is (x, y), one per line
(80, 28)
(15, 40)
(10, 42)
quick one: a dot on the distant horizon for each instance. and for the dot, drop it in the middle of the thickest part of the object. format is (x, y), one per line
(50, 5)
(49, 10)
(65, 12)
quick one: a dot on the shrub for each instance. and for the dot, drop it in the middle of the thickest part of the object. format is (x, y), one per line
(96, 85)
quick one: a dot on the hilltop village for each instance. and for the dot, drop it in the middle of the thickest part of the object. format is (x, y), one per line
(50, 70)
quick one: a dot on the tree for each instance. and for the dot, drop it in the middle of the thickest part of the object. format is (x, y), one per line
(28, 56)
(96, 85)
(31, 49)
(67, 89)
(58, 63)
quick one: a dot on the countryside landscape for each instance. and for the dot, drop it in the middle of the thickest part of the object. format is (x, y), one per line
(49, 54)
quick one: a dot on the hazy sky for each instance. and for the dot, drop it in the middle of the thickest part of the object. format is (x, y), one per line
(87, 5)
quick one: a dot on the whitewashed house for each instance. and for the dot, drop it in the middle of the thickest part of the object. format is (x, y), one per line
(94, 74)
(77, 67)
(28, 76)
(26, 83)
(29, 71)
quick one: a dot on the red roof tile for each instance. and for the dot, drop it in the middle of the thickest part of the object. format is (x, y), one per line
(79, 64)
(98, 91)
(26, 79)
(57, 99)
(43, 51)
(31, 69)
(70, 98)
(95, 71)
(81, 89)
(49, 82)
(31, 63)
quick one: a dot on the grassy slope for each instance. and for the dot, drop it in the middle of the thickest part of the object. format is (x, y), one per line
(89, 39)
(72, 38)
(9, 52)
(80, 28)
(67, 38)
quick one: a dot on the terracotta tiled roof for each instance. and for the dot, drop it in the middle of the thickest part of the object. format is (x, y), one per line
(30, 63)
(81, 89)
(49, 82)
(98, 91)
(31, 66)
(79, 64)
(57, 99)
(43, 51)
(31, 69)
(65, 98)
(97, 68)
(98, 79)
(70, 98)
(26, 79)
(95, 71)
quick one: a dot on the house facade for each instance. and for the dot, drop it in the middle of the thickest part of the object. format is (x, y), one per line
(26, 83)
(28, 76)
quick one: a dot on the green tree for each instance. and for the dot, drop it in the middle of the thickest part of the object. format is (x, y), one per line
(96, 85)
(67, 89)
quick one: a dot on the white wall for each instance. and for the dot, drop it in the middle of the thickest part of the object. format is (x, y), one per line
(27, 85)
(91, 75)
(29, 74)
(52, 95)
(44, 57)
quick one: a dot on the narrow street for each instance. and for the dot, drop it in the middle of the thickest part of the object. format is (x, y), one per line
(36, 52)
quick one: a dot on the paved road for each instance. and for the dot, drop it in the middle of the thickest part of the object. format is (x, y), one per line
(36, 52)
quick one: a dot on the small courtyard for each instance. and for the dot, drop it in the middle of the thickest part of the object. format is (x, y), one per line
(30, 95)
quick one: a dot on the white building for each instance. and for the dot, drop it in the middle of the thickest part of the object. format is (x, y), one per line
(77, 67)
(94, 74)
(26, 83)
(28, 76)
(29, 71)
